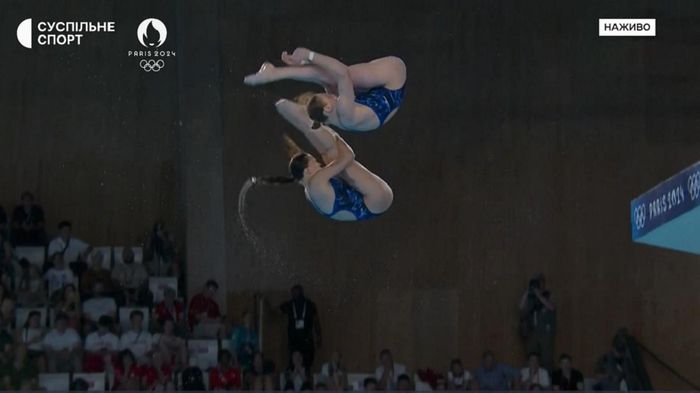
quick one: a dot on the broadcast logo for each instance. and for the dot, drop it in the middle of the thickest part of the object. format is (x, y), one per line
(640, 216)
(24, 33)
(151, 33)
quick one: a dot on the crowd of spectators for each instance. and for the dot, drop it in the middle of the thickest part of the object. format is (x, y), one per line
(83, 328)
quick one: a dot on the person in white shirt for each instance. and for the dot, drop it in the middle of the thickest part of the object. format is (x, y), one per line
(59, 275)
(100, 305)
(101, 345)
(388, 372)
(534, 377)
(458, 378)
(63, 347)
(333, 373)
(32, 334)
(72, 248)
(137, 340)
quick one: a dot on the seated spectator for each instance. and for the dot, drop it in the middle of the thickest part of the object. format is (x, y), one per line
(244, 341)
(192, 377)
(458, 378)
(227, 376)
(170, 309)
(31, 290)
(534, 377)
(28, 223)
(204, 315)
(567, 377)
(388, 372)
(32, 336)
(100, 346)
(617, 370)
(79, 385)
(63, 347)
(19, 370)
(492, 375)
(132, 280)
(157, 376)
(72, 248)
(173, 348)
(99, 305)
(159, 251)
(370, 384)
(58, 275)
(127, 374)
(404, 383)
(261, 375)
(7, 314)
(68, 302)
(137, 340)
(297, 374)
(333, 373)
(96, 274)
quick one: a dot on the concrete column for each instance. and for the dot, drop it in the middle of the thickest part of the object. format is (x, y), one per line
(200, 144)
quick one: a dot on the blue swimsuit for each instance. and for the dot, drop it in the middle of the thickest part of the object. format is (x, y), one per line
(347, 198)
(381, 101)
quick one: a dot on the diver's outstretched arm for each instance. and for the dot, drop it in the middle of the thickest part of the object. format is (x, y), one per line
(321, 138)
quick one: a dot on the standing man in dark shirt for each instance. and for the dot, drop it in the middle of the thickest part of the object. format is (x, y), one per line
(538, 321)
(304, 328)
(566, 377)
(28, 223)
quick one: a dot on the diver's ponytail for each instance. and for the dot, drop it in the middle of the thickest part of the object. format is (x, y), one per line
(273, 180)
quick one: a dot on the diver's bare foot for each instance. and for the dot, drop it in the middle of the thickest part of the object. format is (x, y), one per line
(261, 77)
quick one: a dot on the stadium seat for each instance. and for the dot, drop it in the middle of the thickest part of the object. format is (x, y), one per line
(107, 256)
(205, 351)
(138, 254)
(35, 255)
(96, 381)
(55, 382)
(178, 380)
(125, 313)
(157, 286)
(22, 313)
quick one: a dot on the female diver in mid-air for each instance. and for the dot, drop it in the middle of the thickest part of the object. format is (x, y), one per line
(360, 97)
(342, 189)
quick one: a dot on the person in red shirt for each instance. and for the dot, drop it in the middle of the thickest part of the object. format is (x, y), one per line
(159, 375)
(227, 376)
(203, 307)
(170, 308)
(127, 374)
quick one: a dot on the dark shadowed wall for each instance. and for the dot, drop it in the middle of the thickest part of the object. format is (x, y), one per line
(522, 139)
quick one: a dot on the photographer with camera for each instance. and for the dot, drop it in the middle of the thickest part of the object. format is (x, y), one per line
(538, 320)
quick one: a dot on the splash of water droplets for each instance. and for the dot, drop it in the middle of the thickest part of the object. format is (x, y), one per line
(262, 251)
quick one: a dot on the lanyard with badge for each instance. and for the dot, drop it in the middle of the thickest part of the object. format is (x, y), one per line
(299, 322)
